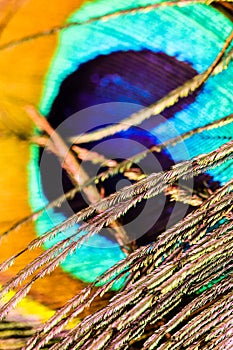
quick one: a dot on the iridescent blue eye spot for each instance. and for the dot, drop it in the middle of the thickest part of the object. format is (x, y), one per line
(75, 82)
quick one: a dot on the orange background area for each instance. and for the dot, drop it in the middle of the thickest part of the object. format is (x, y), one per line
(23, 67)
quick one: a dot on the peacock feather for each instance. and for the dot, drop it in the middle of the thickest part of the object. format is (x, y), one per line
(116, 136)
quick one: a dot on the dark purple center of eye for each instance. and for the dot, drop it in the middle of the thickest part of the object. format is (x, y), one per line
(141, 78)
(138, 77)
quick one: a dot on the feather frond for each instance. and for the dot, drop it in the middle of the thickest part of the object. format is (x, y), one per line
(199, 252)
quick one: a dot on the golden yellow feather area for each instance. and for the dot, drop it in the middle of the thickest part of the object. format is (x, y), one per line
(23, 67)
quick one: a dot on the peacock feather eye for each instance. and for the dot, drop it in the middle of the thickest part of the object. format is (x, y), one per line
(117, 118)
(122, 60)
